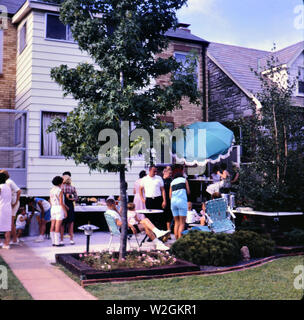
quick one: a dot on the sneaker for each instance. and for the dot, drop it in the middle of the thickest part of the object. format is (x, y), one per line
(39, 239)
(6, 247)
(161, 246)
(1, 244)
(162, 233)
(17, 243)
(72, 242)
(61, 243)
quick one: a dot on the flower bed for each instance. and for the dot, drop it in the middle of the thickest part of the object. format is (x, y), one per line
(108, 261)
(138, 264)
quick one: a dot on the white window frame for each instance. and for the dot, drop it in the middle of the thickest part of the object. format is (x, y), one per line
(67, 30)
(41, 134)
(1, 50)
(197, 66)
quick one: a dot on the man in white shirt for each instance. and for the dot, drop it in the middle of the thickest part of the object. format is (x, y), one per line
(152, 186)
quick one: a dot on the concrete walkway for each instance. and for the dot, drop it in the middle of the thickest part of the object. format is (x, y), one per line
(31, 262)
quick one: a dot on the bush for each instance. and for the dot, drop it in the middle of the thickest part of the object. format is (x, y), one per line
(259, 245)
(294, 237)
(204, 248)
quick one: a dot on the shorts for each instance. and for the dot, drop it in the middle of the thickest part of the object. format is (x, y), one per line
(179, 208)
(14, 210)
(20, 227)
(57, 213)
(47, 215)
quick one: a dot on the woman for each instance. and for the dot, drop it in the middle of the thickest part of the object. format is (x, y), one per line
(139, 204)
(16, 193)
(5, 210)
(235, 177)
(225, 184)
(179, 189)
(70, 195)
(167, 177)
(58, 210)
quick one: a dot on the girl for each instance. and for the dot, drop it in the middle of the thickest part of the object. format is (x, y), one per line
(58, 210)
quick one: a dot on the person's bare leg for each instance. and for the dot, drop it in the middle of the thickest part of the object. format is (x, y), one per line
(7, 238)
(169, 226)
(13, 230)
(43, 227)
(181, 228)
(71, 230)
(176, 226)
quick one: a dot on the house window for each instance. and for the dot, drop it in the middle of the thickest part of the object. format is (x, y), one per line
(55, 29)
(20, 130)
(50, 147)
(185, 59)
(22, 38)
(1, 51)
(301, 81)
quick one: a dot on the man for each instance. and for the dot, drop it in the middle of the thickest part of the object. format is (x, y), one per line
(153, 187)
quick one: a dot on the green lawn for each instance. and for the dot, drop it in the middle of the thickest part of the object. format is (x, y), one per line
(272, 281)
(15, 290)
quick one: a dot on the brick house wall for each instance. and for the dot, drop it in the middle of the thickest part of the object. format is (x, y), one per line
(226, 100)
(189, 113)
(7, 93)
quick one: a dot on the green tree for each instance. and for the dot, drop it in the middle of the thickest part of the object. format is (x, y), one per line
(274, 138)
(123, 39)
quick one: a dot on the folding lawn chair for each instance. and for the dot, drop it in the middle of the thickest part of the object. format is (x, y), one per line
(218, 216)
(114, 231)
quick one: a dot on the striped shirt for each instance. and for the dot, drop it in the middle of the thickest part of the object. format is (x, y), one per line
(178, 187)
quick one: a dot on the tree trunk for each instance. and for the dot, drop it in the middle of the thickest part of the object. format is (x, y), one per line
(276, 138)
(123, 203)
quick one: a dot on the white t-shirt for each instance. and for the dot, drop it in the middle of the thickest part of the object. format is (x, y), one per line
(20, 224)
(192, 216)
(132, 217)
(14, 189)
(152, 186)
(113, 214)
(54, 196)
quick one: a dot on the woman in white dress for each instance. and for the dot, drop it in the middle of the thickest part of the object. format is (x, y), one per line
(5, 210)
(139, 204)
(58, 210)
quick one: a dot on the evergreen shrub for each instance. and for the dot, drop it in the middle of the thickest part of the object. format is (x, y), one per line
(202, 248)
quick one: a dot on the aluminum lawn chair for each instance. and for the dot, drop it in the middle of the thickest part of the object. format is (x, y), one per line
(218, 216)
(115, 231)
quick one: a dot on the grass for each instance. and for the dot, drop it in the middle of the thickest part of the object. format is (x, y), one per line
(15, 290)
(272, 281)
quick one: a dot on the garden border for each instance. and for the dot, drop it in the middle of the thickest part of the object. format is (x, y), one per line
(87, 273)
(136, 277)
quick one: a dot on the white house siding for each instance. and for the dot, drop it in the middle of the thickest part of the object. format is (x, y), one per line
(299, 62)
(36, 92)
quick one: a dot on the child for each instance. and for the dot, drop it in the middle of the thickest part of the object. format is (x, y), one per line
(192, 215)
(215, 195)
(58, 210)
(21, 222)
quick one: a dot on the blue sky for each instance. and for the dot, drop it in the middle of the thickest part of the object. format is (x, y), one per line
(248, 23)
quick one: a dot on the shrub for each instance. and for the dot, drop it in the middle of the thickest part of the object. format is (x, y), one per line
(259, 245)
(294, 237)
(204, 248)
